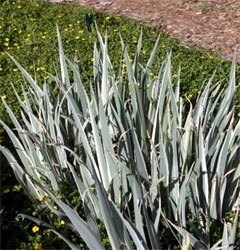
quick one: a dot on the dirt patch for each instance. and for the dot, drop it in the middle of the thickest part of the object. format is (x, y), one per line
(213, 24)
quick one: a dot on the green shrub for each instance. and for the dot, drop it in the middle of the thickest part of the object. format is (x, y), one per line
(136, 156)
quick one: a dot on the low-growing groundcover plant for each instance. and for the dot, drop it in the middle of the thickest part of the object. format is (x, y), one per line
(27, 31)
(143, 165)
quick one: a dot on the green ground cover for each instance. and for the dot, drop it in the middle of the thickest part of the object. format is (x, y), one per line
(28, 32)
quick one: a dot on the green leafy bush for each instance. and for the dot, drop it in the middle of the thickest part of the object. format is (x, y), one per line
(140, 160)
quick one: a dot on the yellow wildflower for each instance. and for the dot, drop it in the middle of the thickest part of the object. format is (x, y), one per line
(62, 222)
(22, 245)
(15, 69)
(190, 96)
(174, 75)
(107, 18)
(4, 97)
(35, 229)
(6, 39)
(34, 213)
(37, 246)
(41, 198)
(6, 44)
(5, 191)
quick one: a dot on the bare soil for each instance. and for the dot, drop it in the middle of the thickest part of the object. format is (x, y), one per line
(211, 24)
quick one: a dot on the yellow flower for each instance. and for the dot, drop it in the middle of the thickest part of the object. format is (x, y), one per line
(0, 26)
(41, 198)
(174, 75)
(37, 246)
(62, 222)
(6, 39)
(77, 37)
(190, 96)
(55, 207)
(43, 37)
(6, 44)
(19, 6)
(4, 97)
(80, 31)
(35, 229)
(1, 69)
(15, 69)
(34, 213)
(107, 18)
(22, 245)
(5, 191)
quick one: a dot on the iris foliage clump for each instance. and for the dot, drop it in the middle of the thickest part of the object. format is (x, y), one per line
(140, 159)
